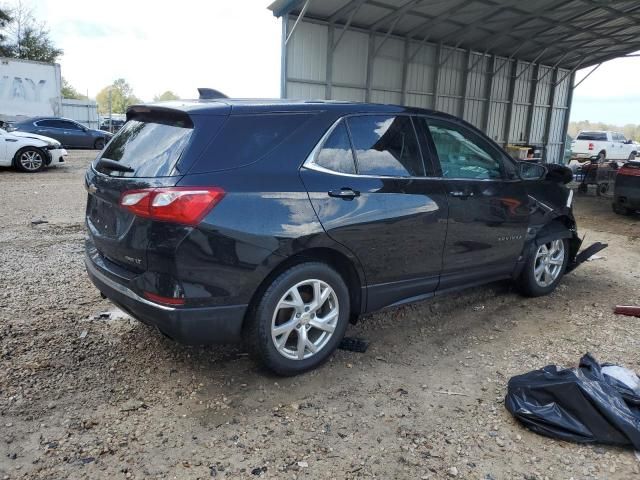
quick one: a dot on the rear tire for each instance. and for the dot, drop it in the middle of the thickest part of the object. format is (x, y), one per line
(544, 268)
(30, 160)
(289, 332)
(632, 157)
(99, 144)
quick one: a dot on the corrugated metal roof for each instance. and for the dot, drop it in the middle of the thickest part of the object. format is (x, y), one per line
(565, 33)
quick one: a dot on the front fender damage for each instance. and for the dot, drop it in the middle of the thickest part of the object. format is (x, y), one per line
(553, 223)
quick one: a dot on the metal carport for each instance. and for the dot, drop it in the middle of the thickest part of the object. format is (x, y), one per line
(507, 66)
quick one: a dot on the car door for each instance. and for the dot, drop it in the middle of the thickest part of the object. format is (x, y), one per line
(5, 139)
(488, 205)
(367, 183)
(75, 134)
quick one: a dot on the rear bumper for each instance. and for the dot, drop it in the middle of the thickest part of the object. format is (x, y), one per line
(194, 326)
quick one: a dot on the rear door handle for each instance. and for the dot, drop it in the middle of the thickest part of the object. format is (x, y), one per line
(344, 193)
(461, 194)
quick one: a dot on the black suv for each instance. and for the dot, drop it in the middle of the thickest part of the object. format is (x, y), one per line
(278, 222)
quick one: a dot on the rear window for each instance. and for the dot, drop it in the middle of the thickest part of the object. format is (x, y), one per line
(597, 136)
(150, 146)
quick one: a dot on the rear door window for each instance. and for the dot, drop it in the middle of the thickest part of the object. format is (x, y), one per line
(150, 146)
(385, 146)
(336, 154)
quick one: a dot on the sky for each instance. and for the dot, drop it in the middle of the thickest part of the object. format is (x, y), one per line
(229, 45)
(234, 46)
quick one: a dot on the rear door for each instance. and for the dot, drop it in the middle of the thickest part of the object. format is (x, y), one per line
(151, 146)
(488, 205)
(368, 185)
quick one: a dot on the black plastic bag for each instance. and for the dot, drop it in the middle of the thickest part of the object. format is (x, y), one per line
(580, 405)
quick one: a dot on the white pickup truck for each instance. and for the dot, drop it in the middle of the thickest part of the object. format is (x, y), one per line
(601, 146)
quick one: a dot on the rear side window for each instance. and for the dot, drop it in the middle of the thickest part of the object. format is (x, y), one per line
(336, 153)
(245, 139)
(151, 147)
(386, 146)
(593, 136)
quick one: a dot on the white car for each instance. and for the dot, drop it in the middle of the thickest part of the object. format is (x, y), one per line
(29, 152)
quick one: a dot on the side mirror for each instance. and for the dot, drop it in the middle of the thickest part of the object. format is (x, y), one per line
(531, 171)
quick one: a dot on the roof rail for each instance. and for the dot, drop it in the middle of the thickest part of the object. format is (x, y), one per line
(210, 94)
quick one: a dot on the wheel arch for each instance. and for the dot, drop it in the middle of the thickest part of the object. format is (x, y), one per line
(44, 153)
(332, 257)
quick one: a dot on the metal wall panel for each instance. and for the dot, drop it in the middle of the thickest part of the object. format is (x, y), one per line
(350, 59)
(307, 52)
(451, 80)
(305, 91)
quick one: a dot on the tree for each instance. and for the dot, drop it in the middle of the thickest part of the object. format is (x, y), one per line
(69, 91)
(168, 95)
(121, 97)
(4, 21)
(25, 38)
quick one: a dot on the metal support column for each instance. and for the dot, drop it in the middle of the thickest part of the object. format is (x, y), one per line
(283, 57)
(532, 101)
(549, 119)
(489, 95)
(405, 71)
(329, 66)
(567, 115)
(465, 85)
(512, 92)
(370, 59)
(436, 76)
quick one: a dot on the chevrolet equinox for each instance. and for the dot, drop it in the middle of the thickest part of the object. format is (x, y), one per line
(279, 222)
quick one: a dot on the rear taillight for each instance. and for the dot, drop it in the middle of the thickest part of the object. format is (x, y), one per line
(591, 146)
(174, 302)
(185, 205)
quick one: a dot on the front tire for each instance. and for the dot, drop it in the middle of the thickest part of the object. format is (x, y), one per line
(99, 144)
(30, 160)
(544, 268)
(300, 319)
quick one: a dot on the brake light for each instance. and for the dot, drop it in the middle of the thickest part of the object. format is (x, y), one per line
(184, 205)
(591, 146)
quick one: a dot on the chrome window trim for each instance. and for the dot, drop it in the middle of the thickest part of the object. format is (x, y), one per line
(310, 163)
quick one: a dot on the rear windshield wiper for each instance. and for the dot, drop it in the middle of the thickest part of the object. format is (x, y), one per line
(113, 165)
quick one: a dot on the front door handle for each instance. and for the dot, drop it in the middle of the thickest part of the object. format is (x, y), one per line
(345, 193)
(461, 194)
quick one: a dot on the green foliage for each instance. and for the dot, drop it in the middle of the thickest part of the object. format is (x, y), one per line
(4, 21)
(122, 96)
(21, 36)
(68, 91)
(631, 131)
(168, 95)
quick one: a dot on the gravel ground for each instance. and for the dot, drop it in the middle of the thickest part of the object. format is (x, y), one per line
(89, 394)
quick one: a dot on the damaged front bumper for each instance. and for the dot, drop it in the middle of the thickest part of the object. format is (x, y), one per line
(578, 259)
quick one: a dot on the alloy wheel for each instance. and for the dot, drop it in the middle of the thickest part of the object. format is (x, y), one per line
(30, 160)
(304, 319)
(548, 262)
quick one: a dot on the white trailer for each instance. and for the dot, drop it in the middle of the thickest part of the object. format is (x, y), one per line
(29, 89)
